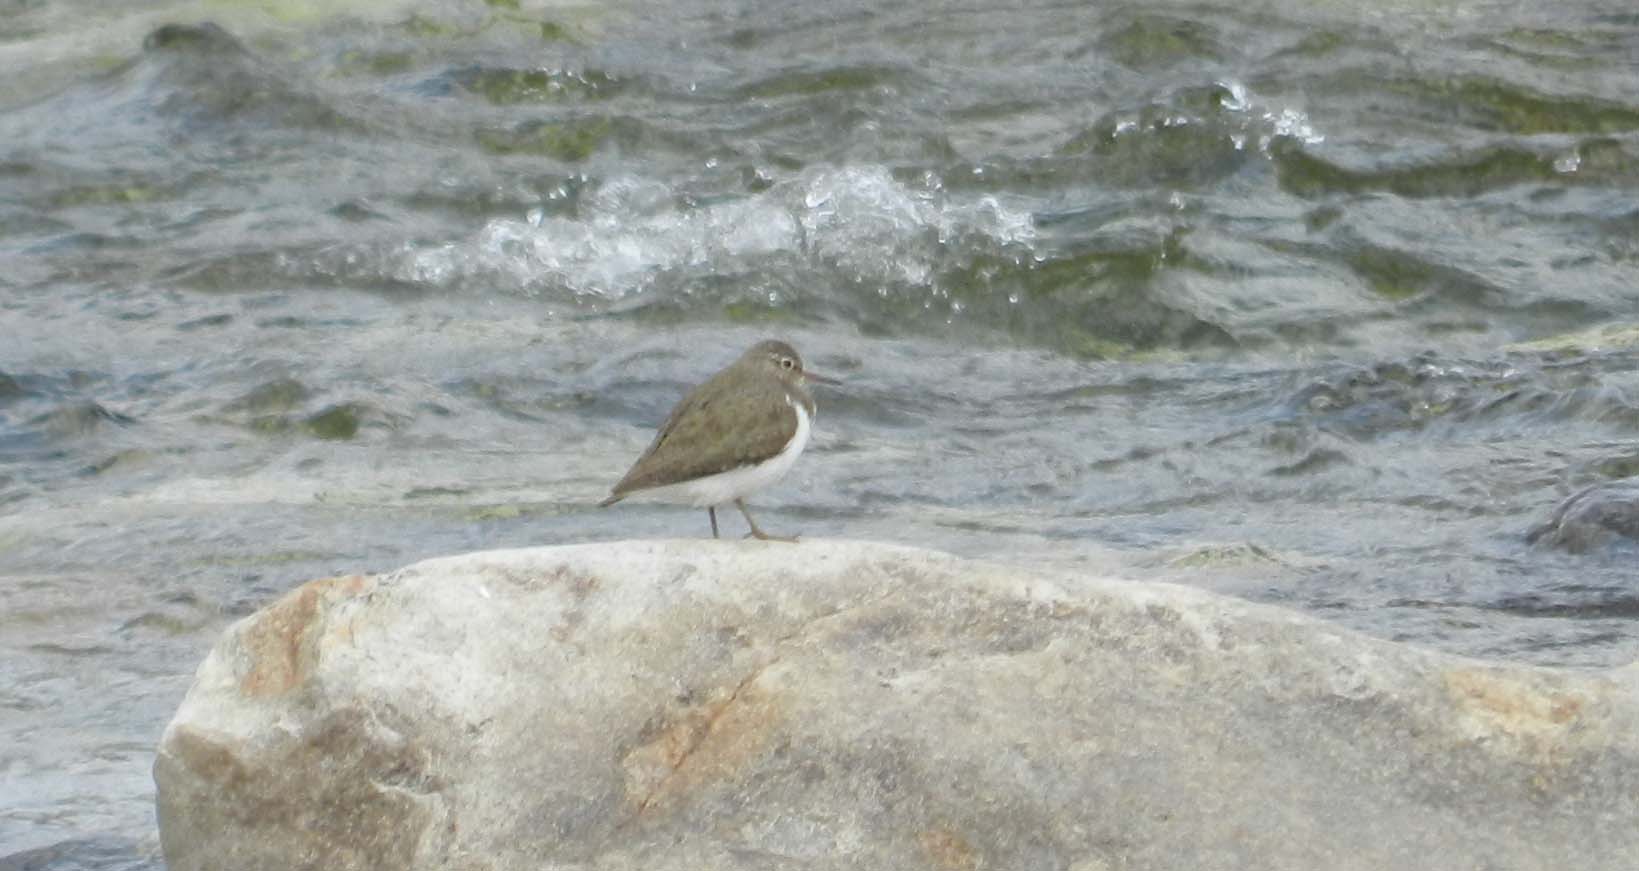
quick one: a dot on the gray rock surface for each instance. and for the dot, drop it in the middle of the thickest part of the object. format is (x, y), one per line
(832, 705)
(1592, 518)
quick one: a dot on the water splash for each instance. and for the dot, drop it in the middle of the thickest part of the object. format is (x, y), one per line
(629, 231)
(1267, 122)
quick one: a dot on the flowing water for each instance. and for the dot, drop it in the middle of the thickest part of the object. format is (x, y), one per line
(1321, 304)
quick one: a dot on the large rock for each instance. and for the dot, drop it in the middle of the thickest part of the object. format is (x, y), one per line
(706, 705)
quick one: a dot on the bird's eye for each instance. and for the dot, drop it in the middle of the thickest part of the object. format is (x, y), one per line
(787, 363)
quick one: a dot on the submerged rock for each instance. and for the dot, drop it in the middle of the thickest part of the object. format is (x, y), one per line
(1592, 518)
(707, 705)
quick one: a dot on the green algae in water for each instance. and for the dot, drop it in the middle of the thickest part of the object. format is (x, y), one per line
(551, 31)
(269, 558)
(287, 11)
(507, 87)
(1225, 555)
(1606, 159)
(436, 492)
(1391, 274)
(338, 422)
(568, 141)
(379, 63)
(1613, 337)
(809, 83)
(106, 195)
(1306, 175)
(1317, 44)
(427, 28)
(271, 424)
(1152, 41)
(1617, 468)
(281, 395)
(1500, 105)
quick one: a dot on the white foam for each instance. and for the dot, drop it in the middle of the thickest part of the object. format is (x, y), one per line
(1267, 122)
(629, 231)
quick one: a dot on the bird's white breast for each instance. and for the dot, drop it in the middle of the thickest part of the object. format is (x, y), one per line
(738, 483)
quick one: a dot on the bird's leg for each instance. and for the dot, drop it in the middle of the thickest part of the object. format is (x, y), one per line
(712, 510)
(755, 531)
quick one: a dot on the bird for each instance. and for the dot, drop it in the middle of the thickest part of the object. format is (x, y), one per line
(736, 433)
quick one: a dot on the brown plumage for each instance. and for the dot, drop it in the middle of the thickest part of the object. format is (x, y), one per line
(741, 417)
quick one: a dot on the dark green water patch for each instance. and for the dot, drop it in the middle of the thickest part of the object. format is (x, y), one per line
(1486, 103)
(122, 194)
(1606, 161)
(1545, 47)
(427, 27)
(1401, 274)
(508, 87)
(553, 31)
(805, 83)
(375, 63)
(279, 395)
(570, 141)
(1105, 295)
(1318, 44)
(336, 422)
(340, 422)
(1151, 41)
(1306, 174)
(436, 493)
(509, 20)
(1189, 140)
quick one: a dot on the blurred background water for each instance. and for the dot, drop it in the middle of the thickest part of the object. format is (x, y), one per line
(1332, 305)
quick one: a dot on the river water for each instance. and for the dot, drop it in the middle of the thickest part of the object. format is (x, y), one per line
(1322, 304)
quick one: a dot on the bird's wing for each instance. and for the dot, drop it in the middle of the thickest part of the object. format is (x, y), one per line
(710, 432)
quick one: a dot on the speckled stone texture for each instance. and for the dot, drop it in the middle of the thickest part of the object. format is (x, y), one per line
(845, 705)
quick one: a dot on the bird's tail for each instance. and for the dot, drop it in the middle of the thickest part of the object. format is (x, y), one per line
(613, 498)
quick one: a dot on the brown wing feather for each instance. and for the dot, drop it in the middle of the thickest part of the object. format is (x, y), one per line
(714, 430)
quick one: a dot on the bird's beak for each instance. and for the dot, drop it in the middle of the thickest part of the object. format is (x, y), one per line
(815, 376)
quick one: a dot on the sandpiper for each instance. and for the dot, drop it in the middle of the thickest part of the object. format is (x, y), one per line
(735, 434)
